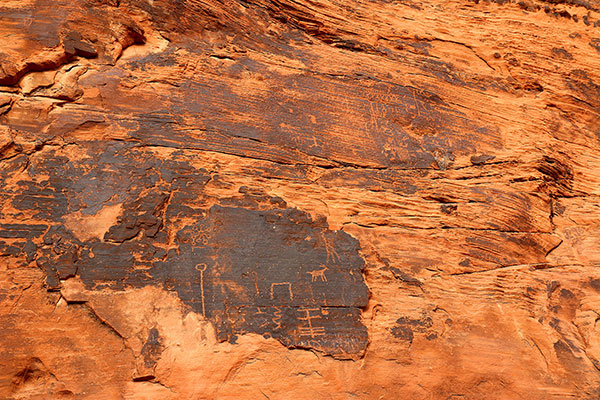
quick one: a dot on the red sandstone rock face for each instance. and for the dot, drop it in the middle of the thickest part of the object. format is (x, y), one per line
(299, 199)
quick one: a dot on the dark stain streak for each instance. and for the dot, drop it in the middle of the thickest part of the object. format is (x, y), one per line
(406, 328)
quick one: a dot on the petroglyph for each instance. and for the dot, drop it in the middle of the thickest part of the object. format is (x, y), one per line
(318, 274)
(237, 264)
(286, 285)
(202, 267)
(310, 329)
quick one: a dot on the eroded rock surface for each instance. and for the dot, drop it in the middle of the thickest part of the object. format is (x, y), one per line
(294, 199)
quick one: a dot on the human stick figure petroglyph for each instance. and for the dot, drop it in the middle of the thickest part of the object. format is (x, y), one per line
(202, 267)
(332, 255)
(310, 330)
(318, 274)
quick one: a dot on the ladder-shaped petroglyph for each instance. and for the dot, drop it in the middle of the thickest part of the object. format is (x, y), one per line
(310, 329)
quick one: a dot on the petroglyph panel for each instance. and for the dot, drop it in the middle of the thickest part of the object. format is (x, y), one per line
(249, 263)
(260, 275)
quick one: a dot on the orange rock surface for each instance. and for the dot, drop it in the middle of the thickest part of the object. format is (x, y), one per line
(294, 199)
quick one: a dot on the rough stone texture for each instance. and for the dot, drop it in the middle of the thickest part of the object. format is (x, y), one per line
(299, 199)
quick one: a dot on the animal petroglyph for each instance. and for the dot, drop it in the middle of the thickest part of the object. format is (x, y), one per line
(318, 274)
